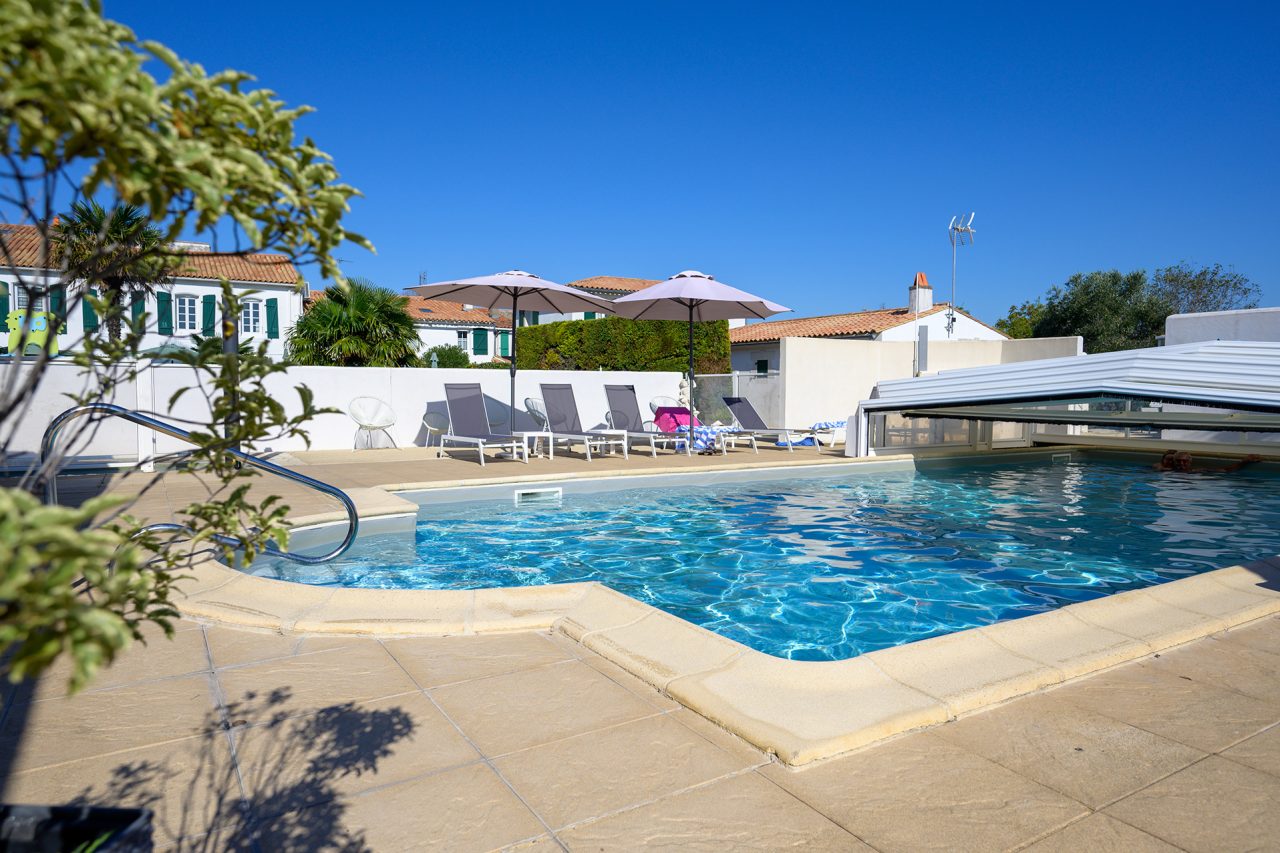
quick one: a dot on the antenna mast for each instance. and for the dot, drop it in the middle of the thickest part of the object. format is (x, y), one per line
(960, 232)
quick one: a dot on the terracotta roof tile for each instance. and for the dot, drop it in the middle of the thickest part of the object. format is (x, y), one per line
(442, 311)
(24, 246)
(832, 325)
(613, 283)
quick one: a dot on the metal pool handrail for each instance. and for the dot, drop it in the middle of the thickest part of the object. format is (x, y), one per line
(51, 486)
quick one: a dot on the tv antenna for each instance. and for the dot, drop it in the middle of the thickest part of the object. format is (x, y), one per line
(960, 231)
(422, 277)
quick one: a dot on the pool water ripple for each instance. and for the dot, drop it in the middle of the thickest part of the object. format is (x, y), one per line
(828, 568)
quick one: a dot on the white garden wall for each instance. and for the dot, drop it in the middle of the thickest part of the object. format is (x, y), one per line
(411, 392)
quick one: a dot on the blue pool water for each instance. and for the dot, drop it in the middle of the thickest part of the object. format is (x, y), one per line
(826, 568)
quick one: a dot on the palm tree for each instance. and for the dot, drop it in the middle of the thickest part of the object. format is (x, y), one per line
(116, 252)
(362, 325)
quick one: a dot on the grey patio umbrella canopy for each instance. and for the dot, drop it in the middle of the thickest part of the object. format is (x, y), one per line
(519, 291)
(693, 296)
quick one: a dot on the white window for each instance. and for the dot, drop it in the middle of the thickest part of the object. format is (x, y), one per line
(185, 314)
(250, 317)
(25, 298)
(462, 341)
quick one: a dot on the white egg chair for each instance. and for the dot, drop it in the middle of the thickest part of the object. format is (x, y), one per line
(371, 416)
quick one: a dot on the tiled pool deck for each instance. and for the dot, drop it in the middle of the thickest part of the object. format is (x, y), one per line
(241, 740)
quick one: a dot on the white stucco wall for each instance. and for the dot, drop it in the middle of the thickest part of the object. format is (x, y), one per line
(288, 302)
(411, 392)
(1255, 324)
(825, 379)
(433, 336)
(967, 329)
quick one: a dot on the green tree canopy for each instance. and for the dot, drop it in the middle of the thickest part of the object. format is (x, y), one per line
(361, 325)
(1021, 319)
(1114, 311)
(1188, 290)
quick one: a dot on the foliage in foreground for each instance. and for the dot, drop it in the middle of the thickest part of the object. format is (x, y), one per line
(360, 325)
(1115, 311)
(82, 122)
(615, 343)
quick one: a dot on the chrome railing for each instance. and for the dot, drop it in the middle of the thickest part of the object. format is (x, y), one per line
(51, 488)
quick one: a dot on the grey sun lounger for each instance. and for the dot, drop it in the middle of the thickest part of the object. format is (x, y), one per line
(566, 427)
(624, 413)
(469, 423)
(750, 423)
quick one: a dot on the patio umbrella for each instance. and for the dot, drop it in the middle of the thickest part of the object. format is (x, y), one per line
(517, 290)
(696, 297)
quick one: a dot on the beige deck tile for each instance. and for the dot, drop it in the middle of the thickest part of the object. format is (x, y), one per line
(52, 731)
(435, 661)
(523, 709)
(190, 785)
(803, 710)
(1261, 752)
(965, 670)
(922, 793)
(1227, 665)
(541, 844)
(1141, 616)
(618, 675)
(1100, 833)
(661, 647)
(1088, 757)
(1261, 577)
(1200, 715)
(254, 602)
(346, 750)
(726, 740)
(238, 646)
(739, 813)
(159, 657)
(1211, 806)
(571, 780)
(465, 809)
(308, 683)
(1069, 645)
(1263, 635)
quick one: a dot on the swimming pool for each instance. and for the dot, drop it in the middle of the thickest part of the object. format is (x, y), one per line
(825, 568)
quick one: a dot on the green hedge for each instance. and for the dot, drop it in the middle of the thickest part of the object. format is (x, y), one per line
(612, 343)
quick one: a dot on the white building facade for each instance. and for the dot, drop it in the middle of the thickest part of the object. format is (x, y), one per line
(269, 286)
(483, 337)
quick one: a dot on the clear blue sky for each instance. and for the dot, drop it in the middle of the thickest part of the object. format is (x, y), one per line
(811, 153)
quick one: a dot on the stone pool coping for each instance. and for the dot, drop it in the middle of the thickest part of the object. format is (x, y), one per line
(801, 711)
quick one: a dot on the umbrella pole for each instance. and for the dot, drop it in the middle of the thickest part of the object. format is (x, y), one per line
(515, 327)
(690, 448)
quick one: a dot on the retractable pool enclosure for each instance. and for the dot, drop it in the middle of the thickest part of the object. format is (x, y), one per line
(1190, 392)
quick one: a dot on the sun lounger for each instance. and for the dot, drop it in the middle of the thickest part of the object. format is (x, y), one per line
(469, 423)
(624, 413)
(566, 427)
(750, 423)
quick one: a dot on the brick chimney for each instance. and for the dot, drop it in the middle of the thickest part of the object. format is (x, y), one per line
(921, 295)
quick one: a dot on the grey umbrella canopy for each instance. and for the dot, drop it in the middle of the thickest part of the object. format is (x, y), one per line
(693, 296)
(519, 291)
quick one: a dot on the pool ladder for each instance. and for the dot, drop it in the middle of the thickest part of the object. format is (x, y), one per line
(51, 487)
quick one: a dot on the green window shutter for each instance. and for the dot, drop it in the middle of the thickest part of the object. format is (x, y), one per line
(762, 365)
(589, 315)
(504, 343)
(535, 319)
(88, 316)
(480, 342)
(209, 312)
(164, 313)
(138, 308)
(4, 312)
(58, 306)
(273, 318)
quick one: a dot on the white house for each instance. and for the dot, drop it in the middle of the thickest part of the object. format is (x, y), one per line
(756, 347)
(189, 305)
(481, 336)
